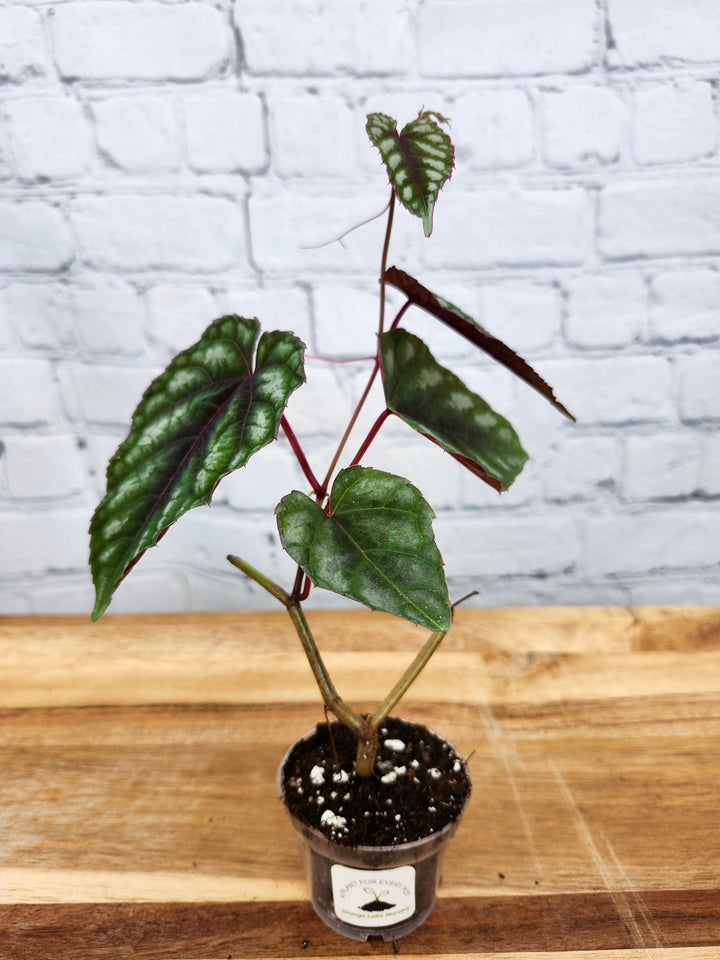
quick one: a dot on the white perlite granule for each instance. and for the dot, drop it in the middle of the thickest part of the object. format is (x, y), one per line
(333, 820)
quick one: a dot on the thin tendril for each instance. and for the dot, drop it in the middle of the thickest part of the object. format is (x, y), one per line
(339, 239)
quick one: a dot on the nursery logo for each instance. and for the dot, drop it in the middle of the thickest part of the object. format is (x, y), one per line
(373, 898)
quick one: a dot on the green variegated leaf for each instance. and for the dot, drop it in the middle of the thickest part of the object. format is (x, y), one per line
(375, 545)
(216, 404)
(436, 403)
(419, 160)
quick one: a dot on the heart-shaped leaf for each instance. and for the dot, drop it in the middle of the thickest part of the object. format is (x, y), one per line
(204, 416)
(374, 545)
(419, 160)
(472, 331)
(436, 403)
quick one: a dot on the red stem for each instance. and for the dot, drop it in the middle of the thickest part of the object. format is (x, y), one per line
(297, 586)
(400, 314)
(318, 490)
(301, 587)
(374, 430)
(356, 414)
(381, 322)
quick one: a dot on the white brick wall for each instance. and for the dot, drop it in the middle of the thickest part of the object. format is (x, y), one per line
(674, 122)
(582, 124)
(22, 46)
(138, 134)
(495, 38)
(124, 41)
(51, 138)
(161, 163)
(660, 218)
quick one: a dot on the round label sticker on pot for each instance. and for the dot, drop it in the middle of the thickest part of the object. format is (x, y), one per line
(373, 898)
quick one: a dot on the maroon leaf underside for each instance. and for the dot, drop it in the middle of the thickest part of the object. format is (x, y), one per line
(421, 297)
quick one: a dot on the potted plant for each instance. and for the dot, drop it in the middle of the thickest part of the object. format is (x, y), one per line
(373, 797)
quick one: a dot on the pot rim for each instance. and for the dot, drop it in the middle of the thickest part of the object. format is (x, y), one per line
(423, 845)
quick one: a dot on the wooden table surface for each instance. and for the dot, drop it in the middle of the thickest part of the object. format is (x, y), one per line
(138, 807)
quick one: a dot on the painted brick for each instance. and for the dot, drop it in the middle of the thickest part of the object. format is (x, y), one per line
(116, 39)
(62, 594)
(44, 540)
(606, 310)
(528, 227)
(674, 587)
(204, 537)
(43, 466)
(276, 307)
(159, 232)
(345, 320)
(539, 425)
(709, 464)
(22, 45)
(679, 30)
(482, 546)
(493, 129)
(685, 305)
(267, 477)
(6, 330)
(6, 170)
(110, 319)
(103, 394)
(319, 406)
(382, 38)
(294, 38)
(660, 218)
(285, 226)
(662, 465)
(100, 446)
(226, 132)
(526, 316)
(139, 133)
(29, 393)
(491, 38)
(311, 37)
(179, 314)
(215, 590)
(50, 138)
(42, 315)
(619, 390)
(155, 591)
(699, 387)
(582, 125)
(656, 540)
(14, 601)
(310, 136)
(33, 236)
(674, 122)
(576, 468)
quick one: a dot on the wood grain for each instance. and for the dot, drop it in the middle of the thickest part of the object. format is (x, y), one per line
(457, 927)
(138, 808)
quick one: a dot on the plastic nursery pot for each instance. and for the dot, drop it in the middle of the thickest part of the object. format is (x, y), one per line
(368, 891)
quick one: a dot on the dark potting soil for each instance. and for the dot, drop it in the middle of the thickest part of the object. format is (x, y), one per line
(420, 784)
